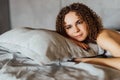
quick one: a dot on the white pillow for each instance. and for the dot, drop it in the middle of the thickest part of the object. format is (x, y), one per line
(41, 45)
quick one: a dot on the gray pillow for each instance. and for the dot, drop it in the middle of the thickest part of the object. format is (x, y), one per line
(42, 45)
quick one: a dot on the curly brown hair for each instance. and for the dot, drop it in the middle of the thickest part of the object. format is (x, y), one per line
(89, 16)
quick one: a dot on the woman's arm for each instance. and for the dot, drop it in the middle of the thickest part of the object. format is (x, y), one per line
(110, 62)
(110, 41)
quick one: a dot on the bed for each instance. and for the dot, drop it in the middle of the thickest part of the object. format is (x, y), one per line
(41, 54)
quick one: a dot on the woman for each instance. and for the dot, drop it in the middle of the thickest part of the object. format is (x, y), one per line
(82, 25)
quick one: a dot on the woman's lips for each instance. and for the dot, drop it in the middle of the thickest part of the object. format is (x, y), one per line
(78, 36)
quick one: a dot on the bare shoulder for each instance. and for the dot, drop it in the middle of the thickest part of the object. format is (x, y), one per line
(106, 33)
(101, 38)
(109, 40)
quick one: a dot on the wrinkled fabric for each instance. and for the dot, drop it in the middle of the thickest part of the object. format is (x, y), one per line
(15, 66)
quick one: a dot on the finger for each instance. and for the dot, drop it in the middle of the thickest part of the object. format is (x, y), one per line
(84, 46)
(77, 60)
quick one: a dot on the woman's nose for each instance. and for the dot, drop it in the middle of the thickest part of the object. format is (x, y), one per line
(77, 29)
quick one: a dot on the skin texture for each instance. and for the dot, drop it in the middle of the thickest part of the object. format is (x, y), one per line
(77, 28)
(110, 41)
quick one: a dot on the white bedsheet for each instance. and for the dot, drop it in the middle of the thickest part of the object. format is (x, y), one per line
(16, 66)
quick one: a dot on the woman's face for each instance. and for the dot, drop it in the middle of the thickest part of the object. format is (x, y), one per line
(75, 27)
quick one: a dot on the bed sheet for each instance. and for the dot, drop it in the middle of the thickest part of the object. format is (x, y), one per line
(15, 66)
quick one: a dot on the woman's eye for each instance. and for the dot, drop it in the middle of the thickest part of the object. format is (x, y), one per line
(79, 22)
(68, 27)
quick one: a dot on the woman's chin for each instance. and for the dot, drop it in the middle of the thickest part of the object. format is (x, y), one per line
(80, 39)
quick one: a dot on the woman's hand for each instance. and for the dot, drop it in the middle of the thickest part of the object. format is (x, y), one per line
(109, 62)
(78, 60)
(81, 44)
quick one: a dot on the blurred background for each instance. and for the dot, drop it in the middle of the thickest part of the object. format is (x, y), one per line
(42, 13)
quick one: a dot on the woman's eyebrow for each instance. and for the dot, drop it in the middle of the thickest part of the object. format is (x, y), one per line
(67, 26)
(79, 20)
